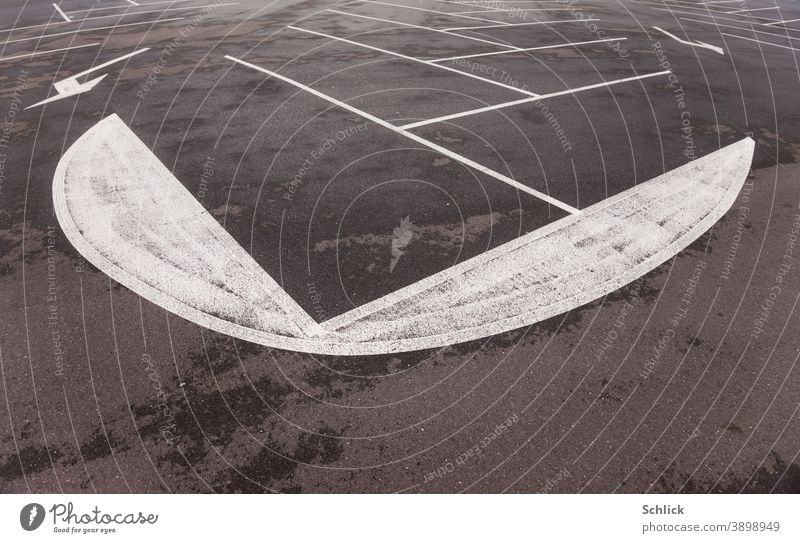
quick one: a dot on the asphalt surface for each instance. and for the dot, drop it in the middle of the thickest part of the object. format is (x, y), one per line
(684, 381)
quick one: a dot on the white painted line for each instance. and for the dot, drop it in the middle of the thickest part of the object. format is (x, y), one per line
(37, 53)
(692, 43)
(528, 100)
(131, 2)
(128, 13)
(70, 86)
(414, 59)
(398, 130)
(781, 22)
(15, 29)
(784, 36)
(668, 7)
(517, 10)
(748, 10)
(64, 15)
(423, 9)
(43, 36)
(556, 46)
(511, 25)
(93, 9)
(503, 2)
(715, 17)
(761, 42)
(424, 28)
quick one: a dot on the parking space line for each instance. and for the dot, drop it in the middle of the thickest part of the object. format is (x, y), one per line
(128, 13)
(556, 46)
(15, 29)
(424, 28)
(668, 7)
(503, 2)
(422, 141)
(780, 22)
(422, 61)
(511, 25)
(761, 42)
(43, 36)
(103, 8)
(517, 10)
(37, 53)
(423, 9)
(748, 10)
(715, 17)
(64, 15)
(527, 100)
(784, 36)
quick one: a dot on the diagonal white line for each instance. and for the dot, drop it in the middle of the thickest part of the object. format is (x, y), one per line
(516, 10)
(518, 24)
(64, 15)
(129, 13)
(422, 141)
(784, 36)
(92, 30)
(556, 46)
(422, 61)
(748, 10)
(93, 9)
(36, 53)
(781, 22)
(761, 42)
(527, 100)
(109, 63)
(424, 28)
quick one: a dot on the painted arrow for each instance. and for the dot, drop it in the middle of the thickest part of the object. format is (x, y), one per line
(71, 87)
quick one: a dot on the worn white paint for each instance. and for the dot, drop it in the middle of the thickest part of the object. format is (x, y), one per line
(128, 215)
(700, 44)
